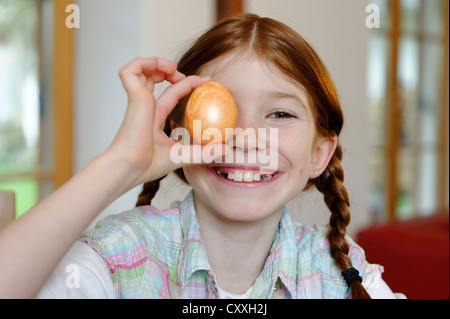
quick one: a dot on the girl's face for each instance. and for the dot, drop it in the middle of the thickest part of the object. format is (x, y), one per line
(265, 100)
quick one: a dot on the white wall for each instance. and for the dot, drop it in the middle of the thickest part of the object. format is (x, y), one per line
(115, 31)
(112, 32)
(108, 37)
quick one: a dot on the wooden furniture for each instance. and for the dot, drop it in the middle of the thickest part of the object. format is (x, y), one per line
(7, 208)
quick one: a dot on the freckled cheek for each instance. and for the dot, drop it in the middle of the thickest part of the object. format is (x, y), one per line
(298, 165)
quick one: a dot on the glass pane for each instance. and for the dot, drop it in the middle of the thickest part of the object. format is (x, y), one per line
(407, 179)
(377, 69)
(385, 21)
(410, 14)
(430, 92)
(408, 86)
(47, 21)
(433, 16)
(19, 86)
(378, 185)
(19, 100)
(427, 192)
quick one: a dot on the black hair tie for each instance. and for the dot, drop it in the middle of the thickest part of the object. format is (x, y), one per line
(350, 275)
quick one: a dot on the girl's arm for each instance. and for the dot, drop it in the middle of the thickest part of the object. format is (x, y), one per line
(31, 246)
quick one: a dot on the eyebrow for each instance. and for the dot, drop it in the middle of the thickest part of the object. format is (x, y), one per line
(285, 95)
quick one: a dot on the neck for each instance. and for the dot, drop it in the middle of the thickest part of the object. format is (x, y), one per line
(236, 250)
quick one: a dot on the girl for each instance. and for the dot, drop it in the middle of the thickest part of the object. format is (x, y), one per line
(228, 238)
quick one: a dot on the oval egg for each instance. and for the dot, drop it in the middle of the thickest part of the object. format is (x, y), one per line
(214, 106)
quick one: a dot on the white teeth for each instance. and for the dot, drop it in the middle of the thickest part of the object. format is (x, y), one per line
(244, 176)
(238, 176)
(248, 176)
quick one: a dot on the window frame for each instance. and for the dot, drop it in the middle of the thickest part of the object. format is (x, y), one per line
(392, 145)
(58, 100)
(62, 95)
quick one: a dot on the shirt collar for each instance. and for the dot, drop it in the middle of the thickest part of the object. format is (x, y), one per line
(286, 240)
(280, 263)
(193, 252)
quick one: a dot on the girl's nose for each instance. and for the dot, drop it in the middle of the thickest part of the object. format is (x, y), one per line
(244, 140)
(254, 143)
(249, 135)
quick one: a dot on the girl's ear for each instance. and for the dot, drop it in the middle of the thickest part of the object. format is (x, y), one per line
(322, 152)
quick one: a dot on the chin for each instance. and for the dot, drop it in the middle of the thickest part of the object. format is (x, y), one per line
(245, 210)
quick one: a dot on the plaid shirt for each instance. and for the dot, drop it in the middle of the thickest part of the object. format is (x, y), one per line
(155, 253)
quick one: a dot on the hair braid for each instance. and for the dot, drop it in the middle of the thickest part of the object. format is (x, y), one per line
(330, 184)
(149, 190)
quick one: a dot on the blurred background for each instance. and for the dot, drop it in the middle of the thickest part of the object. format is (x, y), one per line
(61, 100)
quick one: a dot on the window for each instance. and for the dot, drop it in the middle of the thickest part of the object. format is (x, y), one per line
(408, 94)
(35, 99)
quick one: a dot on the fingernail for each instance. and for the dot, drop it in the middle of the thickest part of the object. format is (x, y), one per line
(206, 78)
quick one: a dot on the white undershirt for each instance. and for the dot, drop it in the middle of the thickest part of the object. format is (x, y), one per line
(228, 295)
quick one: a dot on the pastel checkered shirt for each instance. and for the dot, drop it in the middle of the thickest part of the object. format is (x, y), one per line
(155, 253)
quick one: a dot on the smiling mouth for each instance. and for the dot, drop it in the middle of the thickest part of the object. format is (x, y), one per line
(243, 175)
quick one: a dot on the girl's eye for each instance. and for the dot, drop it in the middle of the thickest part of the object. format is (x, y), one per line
(281, 115)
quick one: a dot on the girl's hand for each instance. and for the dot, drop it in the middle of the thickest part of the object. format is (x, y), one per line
(140, 142)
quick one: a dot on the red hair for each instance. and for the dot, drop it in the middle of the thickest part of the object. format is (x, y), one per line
(276, 43)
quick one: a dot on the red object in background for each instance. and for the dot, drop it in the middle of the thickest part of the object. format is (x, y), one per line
(414, 253)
